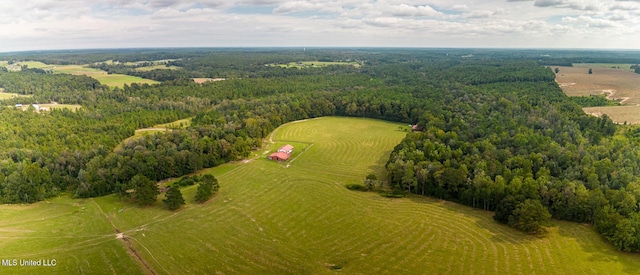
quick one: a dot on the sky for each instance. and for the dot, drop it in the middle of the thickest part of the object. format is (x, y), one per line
(80, 24)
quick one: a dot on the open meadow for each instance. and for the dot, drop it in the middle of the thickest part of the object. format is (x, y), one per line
(618, 84)
(4, 95)
(114, 80)
(297, 218)
(156, 67)
(317, 64)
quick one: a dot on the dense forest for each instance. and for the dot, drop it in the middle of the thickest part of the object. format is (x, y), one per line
(498, 133)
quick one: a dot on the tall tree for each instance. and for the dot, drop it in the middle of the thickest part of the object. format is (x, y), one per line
(173, 199)
(207, 187)
(146, 190)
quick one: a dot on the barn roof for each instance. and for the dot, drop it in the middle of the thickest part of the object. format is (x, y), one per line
(280, 155)
(287, 147)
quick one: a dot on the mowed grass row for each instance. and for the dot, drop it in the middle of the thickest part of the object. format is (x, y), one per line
(272, 219)
(268, 218)
(71, 232)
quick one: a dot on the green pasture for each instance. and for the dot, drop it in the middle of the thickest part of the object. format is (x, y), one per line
(4, 95)
(156, 67)
(72, 232)
(113, 80)
(36, 65)
(316, 64)
(182, 123)
(274, 218)
(119, 80)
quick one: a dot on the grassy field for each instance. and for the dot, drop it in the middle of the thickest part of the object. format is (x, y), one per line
(156, 67)
(4, 95)
(316, 64)
(270, 218)
(114, 80)
(620, 84)
(182, 123)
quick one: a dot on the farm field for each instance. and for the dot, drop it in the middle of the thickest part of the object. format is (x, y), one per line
(114, 80)
(315, 64)
(268, 218)
(620, 84)
(624, 67)
(4, 95)
(156, 67)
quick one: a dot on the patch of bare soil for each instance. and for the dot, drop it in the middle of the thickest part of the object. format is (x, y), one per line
(204, 80)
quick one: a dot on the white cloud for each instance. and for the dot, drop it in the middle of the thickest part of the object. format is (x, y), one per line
(479, 14)
(403, 10)
(45, 24)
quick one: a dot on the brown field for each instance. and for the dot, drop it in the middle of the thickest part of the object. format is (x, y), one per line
(203, 80)
(620, 84)
(620, 114)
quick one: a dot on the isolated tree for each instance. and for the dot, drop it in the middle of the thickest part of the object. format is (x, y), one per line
(207, 187)
(370, 182)
(146, 189)
(504, 209)
(529, 216)
(557, 70)
(173, 199)
(590, 71)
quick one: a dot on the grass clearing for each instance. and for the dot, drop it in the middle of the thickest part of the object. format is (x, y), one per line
(182, 123)
(4, 95)
(156, 67)
(113, 80)
(317, 64)
(119, 80)
(268, 218)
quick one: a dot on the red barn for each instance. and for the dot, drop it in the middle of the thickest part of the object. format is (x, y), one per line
(279, 156)
(283, 154)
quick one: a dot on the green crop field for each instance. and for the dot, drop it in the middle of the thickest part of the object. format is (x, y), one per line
(298, 218)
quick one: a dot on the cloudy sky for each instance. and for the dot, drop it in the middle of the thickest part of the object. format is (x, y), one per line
(79, 24)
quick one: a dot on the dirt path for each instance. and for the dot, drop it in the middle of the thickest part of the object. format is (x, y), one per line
(121, 236)
(610, 94)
